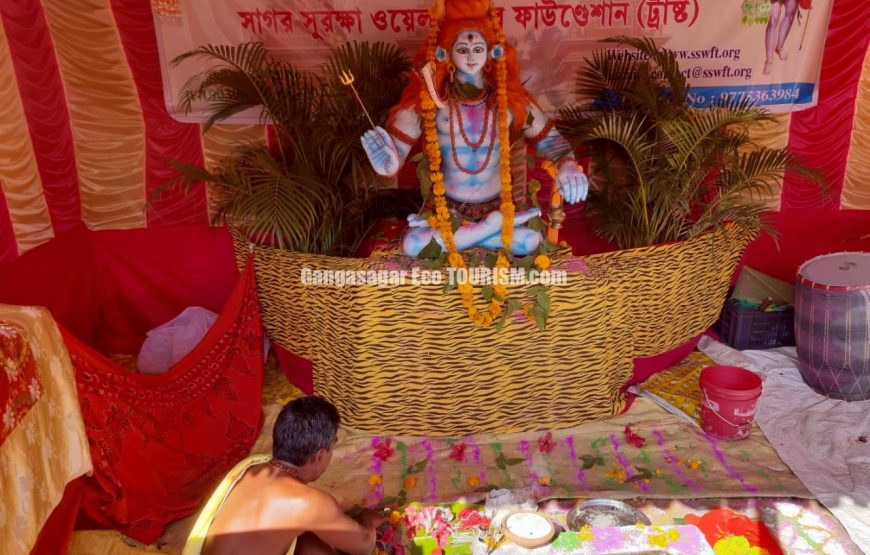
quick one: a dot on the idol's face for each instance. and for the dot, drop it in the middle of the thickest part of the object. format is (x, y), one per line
(469, 52)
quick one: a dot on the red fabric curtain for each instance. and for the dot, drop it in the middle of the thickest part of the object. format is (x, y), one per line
(45, 106)
(110, 287)
(821, 136)
(165, 138)
(161, 443)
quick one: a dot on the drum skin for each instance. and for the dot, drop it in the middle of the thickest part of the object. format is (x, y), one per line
(832, 329)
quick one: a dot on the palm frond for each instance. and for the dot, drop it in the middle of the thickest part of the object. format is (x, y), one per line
(670, 171)
(663, 58)
(295, 191)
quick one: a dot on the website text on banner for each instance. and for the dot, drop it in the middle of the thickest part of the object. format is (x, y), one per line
(767, 51)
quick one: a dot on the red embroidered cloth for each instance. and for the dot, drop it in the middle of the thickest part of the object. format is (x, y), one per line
(161, 443)
(20, 388)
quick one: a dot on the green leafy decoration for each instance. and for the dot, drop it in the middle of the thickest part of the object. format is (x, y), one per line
(510, 308)
(418, 467)
(503, 463)
(449, 285)
(598, 443)
(668, 171)
(431, 251)
(423, 175)
(438, 262)
(312, 188)
(589, 461)
(474, 259)
(486, 292)
(538, 224)
(642, 474)
(547, 247)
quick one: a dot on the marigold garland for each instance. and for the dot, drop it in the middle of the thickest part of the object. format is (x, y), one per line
(441, 219)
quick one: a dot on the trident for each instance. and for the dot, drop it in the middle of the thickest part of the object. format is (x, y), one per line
(347, 78)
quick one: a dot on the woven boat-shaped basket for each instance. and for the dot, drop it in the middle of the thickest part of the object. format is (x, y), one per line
(406, 360)
(675, 291)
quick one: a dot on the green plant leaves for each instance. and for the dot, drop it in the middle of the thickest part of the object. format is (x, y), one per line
(590, 461)
(540, 312)
(503, 463)
(310, 189)
(418, 467)
(510, 308)
(431, 251)
(667, 171)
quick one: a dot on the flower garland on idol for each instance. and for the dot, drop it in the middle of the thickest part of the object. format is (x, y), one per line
(442, 214)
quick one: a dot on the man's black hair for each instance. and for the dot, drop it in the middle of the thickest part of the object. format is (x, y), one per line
(304, 427)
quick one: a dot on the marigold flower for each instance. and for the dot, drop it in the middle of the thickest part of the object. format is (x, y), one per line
(374, 480)
(544, 480)
(473, 481)
(617, 474)
(542, 261)
(410, 481)
(395, 518)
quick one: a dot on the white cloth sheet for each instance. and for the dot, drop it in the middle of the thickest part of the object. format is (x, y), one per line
(170, 342)
(826, 442)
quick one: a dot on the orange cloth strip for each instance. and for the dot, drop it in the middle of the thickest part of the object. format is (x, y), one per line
(856, 186)
(773, 134)
(19, 174)
(105, 114)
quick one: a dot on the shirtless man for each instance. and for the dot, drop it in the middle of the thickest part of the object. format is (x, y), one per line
(270, 508)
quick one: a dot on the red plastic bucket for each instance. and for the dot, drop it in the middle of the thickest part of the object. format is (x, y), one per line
(729, 398)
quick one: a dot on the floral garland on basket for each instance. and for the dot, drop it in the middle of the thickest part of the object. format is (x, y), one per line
(442, 214)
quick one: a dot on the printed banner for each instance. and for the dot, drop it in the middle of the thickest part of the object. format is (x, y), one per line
(768, 51)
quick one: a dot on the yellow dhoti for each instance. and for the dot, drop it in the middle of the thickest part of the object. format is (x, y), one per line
(196, 540)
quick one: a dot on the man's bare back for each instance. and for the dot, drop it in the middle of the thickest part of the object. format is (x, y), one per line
(271, 504)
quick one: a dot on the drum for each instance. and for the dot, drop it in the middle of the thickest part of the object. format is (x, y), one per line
(832, 324)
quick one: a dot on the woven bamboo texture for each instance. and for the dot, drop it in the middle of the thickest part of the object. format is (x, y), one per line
(405, 360)
(676, 290)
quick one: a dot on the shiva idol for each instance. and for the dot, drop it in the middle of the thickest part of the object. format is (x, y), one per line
(468, 104)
